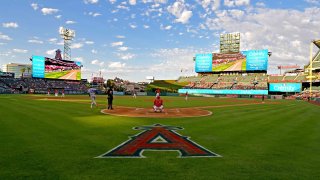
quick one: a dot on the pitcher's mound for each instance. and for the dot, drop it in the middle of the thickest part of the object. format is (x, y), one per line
(148, 112)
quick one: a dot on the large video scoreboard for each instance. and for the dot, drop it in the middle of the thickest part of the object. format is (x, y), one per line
(251, 60)
(43, 67)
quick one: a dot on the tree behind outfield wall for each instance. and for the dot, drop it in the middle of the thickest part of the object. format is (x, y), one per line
(110, 83)
(22, 70)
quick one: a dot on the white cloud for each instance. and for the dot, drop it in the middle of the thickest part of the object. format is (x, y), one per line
(35, 41)
(20, 50)
(126, 56)
(94, 14)
(70, 22)
(97, 62)
(123, 7)
(5, 37)
(80, 59)
(123, 48)
(51, 52)
(112, 1)
(316, 2)
(47, 11)
(161, 1)
(93, 51)
(53, 40)
(209, 5)
(5, 54)
(89, 42)
(133, 26)
(260, 4)
(34, 6)
(91, 1)
(58, 16)
(185, 16)
(132, 2)
(10, 25)
(146, 26)
(119, 43)
(116, 65)
(165, 27)
(76, 45)
(120, 37)
(171, 61)
(233, 3)
(180, 11)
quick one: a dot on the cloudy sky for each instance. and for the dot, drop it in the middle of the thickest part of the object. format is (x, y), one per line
(132, 39)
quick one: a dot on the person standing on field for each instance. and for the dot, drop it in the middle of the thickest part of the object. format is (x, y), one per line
(92, 95)
(134, 93)
(110, 98)
(186, 96)
(158, 104)
(157, 92)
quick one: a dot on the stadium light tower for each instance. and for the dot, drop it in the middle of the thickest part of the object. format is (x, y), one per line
(67, 35)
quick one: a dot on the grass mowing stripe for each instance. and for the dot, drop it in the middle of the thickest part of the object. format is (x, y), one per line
(60, 139)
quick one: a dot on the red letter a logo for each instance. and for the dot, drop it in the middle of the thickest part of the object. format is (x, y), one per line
(158, 137)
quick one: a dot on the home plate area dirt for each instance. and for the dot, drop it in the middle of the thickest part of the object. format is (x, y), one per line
(148, 112)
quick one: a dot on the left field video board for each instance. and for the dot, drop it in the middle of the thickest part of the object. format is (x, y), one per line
(43, 67)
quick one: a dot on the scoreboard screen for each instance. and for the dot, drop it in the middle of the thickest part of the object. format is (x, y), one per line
(252, 60)
(43, 67)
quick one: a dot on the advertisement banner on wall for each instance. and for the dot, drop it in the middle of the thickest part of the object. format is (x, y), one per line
(256, 60)
(203, 63)
(223, 91)
(285, 87)
(38, 66)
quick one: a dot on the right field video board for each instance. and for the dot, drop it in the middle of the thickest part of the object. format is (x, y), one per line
(251, 60)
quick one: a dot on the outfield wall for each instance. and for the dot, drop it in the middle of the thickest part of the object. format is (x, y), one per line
(223, 91)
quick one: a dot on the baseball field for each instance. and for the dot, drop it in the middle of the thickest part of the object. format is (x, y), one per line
(59, 138)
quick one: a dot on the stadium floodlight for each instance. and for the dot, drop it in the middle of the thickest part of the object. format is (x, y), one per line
(67, 35)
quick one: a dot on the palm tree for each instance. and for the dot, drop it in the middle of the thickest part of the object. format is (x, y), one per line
(28, 69)
(22, 70)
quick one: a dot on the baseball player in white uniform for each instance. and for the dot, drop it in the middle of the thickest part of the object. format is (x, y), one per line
(92, 94)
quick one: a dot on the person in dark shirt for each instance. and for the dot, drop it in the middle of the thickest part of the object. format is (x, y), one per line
(110, 98)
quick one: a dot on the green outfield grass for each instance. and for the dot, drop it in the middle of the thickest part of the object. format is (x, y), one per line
(44, 139)
(56, 75)
(223, 67)
(244, 65)
(78, 75)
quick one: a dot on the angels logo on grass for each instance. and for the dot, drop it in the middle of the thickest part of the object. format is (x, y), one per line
(158, 137)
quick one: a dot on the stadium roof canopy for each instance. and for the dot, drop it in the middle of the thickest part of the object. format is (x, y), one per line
(316, 58)
(317, 43)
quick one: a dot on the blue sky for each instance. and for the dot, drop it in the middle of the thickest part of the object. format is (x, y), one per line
(132, 39)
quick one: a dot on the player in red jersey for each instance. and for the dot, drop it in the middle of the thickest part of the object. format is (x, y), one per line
(158, 104)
